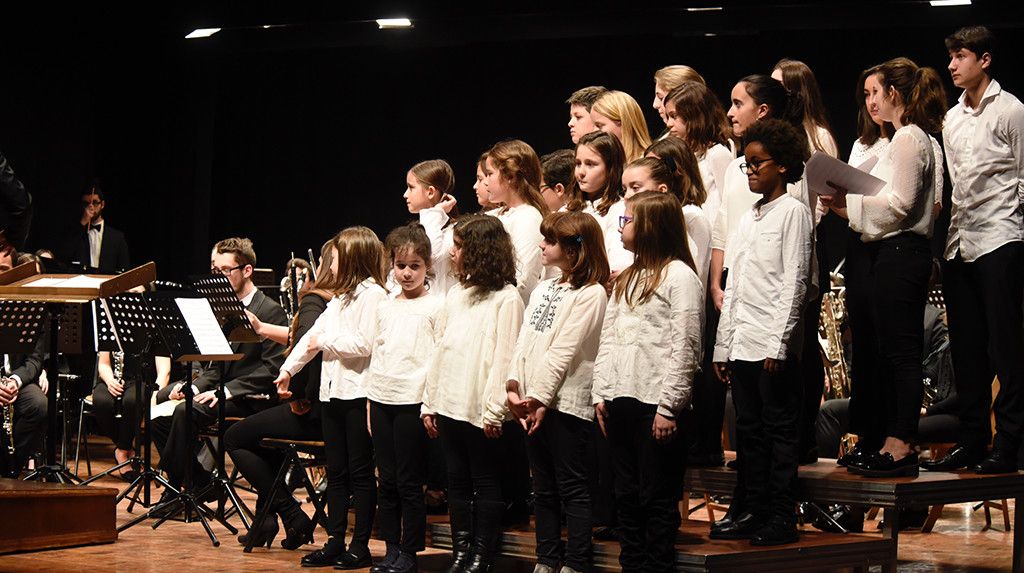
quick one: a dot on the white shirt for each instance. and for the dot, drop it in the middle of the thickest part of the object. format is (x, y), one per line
(95, 243)
(466, 379)
(554, 356)
(768, 284)
(523, 226)
(985, 153)
(345, 332)
(861, 152)
(650, 352)
(403, 345)
(618, 257)
(713, 165)
(737, 199)
(442, 239)
(698, 235)
(905, 202)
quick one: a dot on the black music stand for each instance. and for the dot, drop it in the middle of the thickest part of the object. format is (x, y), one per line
(179, 340)
(236, 327)
(22, 324)
(125, 323)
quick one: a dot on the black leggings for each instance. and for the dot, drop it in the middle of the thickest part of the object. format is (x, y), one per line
(349, 470)
(121, 430)
(399, 445)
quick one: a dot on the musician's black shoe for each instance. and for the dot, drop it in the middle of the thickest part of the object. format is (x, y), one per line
(858, 452)
(998, 462)
(742, 527)
(883, 465)
(958, 458)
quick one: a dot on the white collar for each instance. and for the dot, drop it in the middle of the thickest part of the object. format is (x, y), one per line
(991, 91)
(248, 298)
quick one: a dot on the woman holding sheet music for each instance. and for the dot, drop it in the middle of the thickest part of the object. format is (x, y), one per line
(890, 280)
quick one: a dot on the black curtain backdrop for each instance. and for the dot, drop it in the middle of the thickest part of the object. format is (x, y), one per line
(289, 142)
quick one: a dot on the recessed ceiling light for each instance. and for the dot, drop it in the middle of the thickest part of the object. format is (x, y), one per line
(950, 2)
(385, 23)
(705, 9)
(201, 33)
(710, 34)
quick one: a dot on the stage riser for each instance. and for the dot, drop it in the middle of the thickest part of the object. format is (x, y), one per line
(47, 516)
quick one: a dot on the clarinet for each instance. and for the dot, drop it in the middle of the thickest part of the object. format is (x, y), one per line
(8, 424)
(117, 357)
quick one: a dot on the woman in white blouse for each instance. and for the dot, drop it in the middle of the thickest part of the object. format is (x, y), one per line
(549, 384)
(344, 335)
(895, 226)
(512, 176)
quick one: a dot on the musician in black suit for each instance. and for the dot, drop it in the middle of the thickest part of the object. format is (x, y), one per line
(98, 245)
(15, 206)
(248, 382)
(20, 385)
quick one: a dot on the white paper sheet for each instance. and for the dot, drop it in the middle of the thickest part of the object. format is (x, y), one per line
(823, 169)
(204, 326)
(80, 281)
(45, 282)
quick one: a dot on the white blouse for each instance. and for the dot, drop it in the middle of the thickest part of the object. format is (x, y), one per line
(908, 167)
(404, 343)
(554, 357)
(650, 352)
(618, 257)
(768, 284)
(466, 378)
(345, 332)
(698, 235)
(523, 226)
(442, 239)
(713, 165)
(861, 152)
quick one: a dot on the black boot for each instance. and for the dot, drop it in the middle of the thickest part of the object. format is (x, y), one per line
(486, 536)
(461, 519)
(298, 527)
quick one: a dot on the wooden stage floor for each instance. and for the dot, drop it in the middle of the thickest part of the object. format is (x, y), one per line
(957, 544)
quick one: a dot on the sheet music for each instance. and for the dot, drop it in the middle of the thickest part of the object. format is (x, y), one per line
(823, 169)
(204, 326)
(45, 282)
(868, 164)
(80, 281)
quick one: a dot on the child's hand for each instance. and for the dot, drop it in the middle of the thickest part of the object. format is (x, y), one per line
(772, 366)
(430, 424)
(722, 372)
(492, 432)
(835, 201)
(447, 202)
(663, 429)
(535, 419)
(282, 382)
(717, 297)
(517, 405)
(601, 413)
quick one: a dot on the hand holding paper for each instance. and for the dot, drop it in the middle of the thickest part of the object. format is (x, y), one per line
(827, 176)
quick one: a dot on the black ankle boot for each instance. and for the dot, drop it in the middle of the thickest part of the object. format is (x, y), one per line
(478, 564)
(460, 515)
(298, 527)
(486, 536)
(264, 535)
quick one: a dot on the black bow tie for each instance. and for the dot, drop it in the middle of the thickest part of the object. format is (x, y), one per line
(97, 226)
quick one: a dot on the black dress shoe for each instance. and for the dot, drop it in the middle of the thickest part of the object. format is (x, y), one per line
(353, 560)
(851, 520)
(406, 563)
(775, 533)
(858, 452)
(742, 527)
(883, 465)
(320, 558)
(958, 458)
(998, 462)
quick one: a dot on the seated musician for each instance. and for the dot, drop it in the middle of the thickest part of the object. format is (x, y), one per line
(20, 386)
(248, 382)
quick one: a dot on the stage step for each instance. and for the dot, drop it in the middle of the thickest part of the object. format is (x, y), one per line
(48, 515)
(816, 551)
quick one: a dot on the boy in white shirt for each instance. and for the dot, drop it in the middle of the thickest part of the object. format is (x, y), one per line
(758, 342)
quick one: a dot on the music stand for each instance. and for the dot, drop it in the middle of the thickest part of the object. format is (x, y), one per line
(64, 296)
(236, 327)
(125, 323)
(180, 340)
(22, 324)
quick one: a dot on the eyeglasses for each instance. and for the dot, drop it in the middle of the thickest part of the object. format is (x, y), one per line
(225, 272)
(94, 203)
(624, 220)
(754, 165)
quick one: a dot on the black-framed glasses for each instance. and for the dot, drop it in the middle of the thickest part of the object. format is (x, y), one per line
(754, 165)
(226, 272)
(624, 220)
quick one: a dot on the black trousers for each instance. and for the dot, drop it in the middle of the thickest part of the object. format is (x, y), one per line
(349, 471)
(834, 421)
(558, 453)
(175, 439)
(121, 430)
(708, 391)
(515, 465)
(887, 289)
(767, 413)
(260, 465)
(474, 482)
(30, 409)
(648, 486)
(983, 305)
(399, 446)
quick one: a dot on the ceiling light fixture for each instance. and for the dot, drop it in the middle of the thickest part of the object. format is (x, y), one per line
(950, 2)
(705, 9)
(390, 23)
(201, 33)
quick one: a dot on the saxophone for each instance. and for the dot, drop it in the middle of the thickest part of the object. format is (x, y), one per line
(117, 358)
(830, 327)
